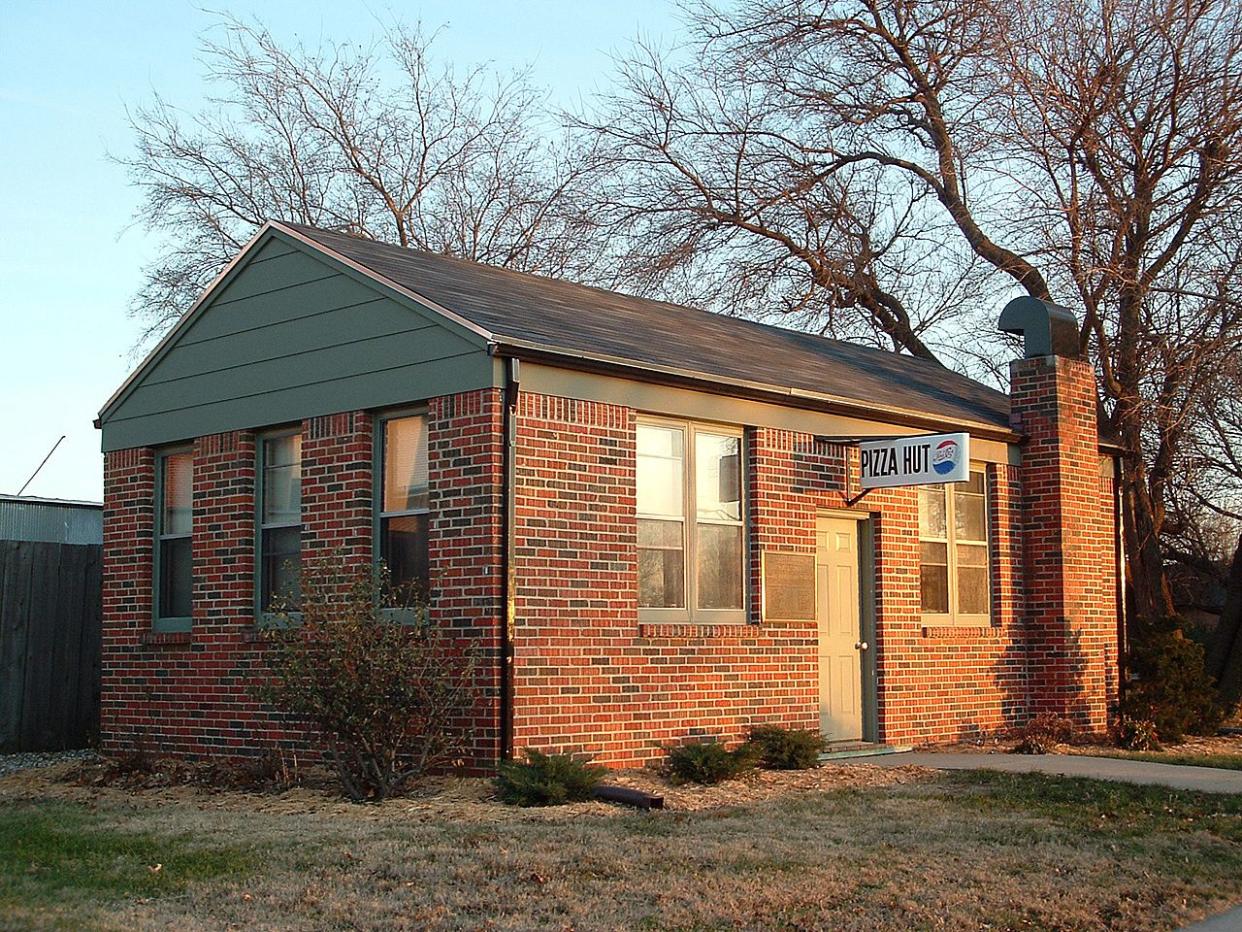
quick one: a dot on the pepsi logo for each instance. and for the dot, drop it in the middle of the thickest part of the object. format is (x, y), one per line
(944, 458)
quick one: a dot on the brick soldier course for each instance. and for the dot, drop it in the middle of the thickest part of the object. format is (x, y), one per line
(534, 468)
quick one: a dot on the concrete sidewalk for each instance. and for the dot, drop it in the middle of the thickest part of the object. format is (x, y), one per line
(1178, 776)
(1225, 922)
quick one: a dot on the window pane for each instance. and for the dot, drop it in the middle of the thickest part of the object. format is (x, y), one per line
(403, 546)
(932, 521)
(720, 566)
(178, 489)
(176, 569)
(405, 464)
(970, 517)
(282, 480)
(283, 451)
(661, 565)
(660, 441)
(718, 478)
(934, 578)
(282, 549)
(972, 580)
(662, 534)
(975, 485)
(660, 471)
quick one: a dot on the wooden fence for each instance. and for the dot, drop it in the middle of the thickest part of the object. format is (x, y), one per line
(50, 607)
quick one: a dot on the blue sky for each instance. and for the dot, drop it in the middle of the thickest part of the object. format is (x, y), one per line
(68, 263)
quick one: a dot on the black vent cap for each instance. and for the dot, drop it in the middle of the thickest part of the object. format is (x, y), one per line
(1047, 329)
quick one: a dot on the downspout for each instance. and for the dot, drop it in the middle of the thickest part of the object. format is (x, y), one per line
(507, 568)
(1119, 565)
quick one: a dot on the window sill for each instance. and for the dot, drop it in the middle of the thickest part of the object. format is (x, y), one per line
(960, 632)
(696, 631)
(167, 638)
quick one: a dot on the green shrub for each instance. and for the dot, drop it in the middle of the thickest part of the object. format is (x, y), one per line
(1170, 687)
(547, 780)
(708, 762)
(778, 748)
(1139, 734)
(1043, 733)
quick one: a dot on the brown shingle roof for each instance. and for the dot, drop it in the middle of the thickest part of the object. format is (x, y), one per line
(561, 317)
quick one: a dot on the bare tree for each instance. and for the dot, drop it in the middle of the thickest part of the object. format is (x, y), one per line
(1128, 116)
(1094, 150)
(380, 141)
(1205, 513)
(722, 167)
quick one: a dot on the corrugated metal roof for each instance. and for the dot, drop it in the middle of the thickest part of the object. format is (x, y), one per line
(564, 318)
(57, 521)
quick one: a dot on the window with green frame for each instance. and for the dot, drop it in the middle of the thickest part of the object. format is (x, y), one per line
(173, 540)
(279, 515)
(403, 504)
(955, 566)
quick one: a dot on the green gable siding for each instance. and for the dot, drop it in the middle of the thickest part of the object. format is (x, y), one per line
(287, 336)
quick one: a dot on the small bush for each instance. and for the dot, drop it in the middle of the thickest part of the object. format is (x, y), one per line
(547, 780)
(1137, 734)
(389, 699)
(1171, 687)
(1043, 733)
(778, 748)
(709, 762)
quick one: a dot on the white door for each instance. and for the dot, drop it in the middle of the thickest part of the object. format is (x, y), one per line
(840, 633)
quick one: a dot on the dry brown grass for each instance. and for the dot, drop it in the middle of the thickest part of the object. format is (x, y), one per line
(847, 847)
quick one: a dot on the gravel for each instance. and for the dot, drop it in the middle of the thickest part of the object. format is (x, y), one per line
(11, 763)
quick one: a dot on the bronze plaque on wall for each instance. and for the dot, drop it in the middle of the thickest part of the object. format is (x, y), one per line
(788, 586)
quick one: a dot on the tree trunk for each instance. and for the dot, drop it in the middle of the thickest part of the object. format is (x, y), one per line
(1224, 660)
(1149, 585)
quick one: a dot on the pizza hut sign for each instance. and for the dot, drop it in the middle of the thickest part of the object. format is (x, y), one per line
(925, 460)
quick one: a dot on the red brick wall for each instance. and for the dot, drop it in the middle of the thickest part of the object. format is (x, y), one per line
(128, 526)
(933, 684)
(189, 693)
(465, 475)
(1070, 573)
(337, 487)
(588, 676)
(186, 693)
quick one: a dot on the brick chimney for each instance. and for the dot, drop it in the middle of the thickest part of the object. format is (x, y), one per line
(1069, 531)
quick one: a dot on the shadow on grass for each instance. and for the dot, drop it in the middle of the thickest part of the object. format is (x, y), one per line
(52, 853)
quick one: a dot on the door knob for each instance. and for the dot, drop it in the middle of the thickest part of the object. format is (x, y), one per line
(860, 645)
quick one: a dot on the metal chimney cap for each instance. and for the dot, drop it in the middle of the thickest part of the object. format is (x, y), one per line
(1047, 329)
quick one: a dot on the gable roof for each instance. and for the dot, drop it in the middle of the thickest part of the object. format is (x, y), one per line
(576, 326)
(561, 319)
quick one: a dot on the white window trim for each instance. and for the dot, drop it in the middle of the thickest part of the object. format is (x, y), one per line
(953, 617)
(691, 614)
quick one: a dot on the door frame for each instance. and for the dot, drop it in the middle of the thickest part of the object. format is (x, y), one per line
(865, 525)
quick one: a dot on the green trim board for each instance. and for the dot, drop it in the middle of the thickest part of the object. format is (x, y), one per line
(288, 332)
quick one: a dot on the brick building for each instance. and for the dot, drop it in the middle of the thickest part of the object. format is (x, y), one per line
(650, 517)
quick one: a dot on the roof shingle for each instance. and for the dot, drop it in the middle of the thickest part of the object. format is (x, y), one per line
(562, 317)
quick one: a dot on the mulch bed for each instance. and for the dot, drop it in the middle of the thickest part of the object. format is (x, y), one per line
(215, 786)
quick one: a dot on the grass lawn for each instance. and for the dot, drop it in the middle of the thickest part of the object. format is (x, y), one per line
(966, 850)
(1223, 761)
